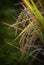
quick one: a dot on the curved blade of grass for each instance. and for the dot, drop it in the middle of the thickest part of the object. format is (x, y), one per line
(36, 50)
(14, 46)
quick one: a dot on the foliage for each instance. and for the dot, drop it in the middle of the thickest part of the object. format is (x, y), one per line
(21, 35)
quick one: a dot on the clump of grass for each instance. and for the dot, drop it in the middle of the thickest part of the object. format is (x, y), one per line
(30, 23)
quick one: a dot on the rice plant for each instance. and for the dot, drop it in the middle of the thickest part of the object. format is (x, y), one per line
(29, 30)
